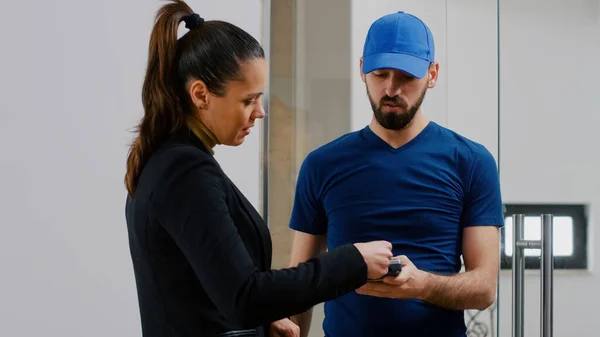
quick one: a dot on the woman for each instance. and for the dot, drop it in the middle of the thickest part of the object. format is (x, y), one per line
(201, 253)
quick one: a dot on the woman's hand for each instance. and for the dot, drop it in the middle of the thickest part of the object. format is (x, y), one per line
(284, 328)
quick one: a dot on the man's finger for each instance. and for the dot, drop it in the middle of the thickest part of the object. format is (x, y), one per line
(376, 288)
(399, 280)
(394, 280)
(375, 293)
(404, 260)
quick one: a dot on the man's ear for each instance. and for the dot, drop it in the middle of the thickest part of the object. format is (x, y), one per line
(362, 75)
(433, 74)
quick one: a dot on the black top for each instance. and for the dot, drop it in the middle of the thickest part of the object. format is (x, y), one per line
(202, 254)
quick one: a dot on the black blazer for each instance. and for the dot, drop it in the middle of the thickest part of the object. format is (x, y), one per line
(202, 254)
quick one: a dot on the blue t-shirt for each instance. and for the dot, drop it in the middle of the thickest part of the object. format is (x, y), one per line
(419, 197)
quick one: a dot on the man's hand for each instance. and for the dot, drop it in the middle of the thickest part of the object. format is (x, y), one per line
(410, 283)
(284, 328)
(473, 289)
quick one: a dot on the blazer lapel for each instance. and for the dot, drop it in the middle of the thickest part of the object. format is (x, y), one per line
(259, 225)
(258, 222)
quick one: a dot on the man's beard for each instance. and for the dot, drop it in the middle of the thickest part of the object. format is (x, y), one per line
(395, 120)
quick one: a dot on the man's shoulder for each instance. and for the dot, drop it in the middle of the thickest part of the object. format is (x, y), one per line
(342, 144)
(466, 147)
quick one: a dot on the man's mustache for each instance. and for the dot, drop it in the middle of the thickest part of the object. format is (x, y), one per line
(394, 101)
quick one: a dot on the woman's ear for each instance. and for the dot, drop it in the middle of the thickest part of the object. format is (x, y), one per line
(199, 94)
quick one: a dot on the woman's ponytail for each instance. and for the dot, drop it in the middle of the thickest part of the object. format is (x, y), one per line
(163, 113)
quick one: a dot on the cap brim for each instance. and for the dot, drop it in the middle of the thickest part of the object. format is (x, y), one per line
(412, 65)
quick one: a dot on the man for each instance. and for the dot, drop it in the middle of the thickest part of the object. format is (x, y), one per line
(430, 191)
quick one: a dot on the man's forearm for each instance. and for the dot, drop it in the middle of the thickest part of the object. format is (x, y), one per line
(462, 291)
(303, 321)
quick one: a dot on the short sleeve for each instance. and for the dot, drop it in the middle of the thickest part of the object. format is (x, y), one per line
(483, 201)
(308, 214)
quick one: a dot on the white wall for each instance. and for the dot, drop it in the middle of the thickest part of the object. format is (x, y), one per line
(70, 85)
(549, 145)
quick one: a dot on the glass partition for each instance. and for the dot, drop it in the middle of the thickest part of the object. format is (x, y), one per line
(309, 97)
(309, 103)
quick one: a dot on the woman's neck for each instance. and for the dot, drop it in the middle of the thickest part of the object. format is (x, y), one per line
(203, 133)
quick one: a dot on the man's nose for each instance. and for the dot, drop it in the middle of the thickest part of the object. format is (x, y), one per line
(393, 91)
(393, 88)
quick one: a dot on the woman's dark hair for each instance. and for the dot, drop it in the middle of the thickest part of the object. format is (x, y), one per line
(212, 51)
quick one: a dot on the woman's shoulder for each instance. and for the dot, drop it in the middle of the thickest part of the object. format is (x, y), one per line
(177, 161)
(180, 156)
(182, 152)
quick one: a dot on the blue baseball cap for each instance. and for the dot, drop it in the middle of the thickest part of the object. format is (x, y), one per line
(399, 41)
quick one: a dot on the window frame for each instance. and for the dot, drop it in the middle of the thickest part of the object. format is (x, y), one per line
(578, 212)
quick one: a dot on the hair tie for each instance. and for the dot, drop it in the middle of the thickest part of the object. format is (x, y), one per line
(192, 21)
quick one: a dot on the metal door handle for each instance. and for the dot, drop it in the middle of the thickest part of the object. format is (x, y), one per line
(546, 274)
